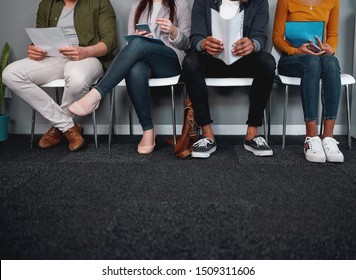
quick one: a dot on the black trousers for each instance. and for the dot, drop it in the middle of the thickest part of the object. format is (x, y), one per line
(260, 66)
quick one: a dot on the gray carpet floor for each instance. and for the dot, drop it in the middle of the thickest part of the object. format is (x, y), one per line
(115, 204)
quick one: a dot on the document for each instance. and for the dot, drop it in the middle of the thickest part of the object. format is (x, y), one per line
(128, 38)
(228, 31)
(50, 39)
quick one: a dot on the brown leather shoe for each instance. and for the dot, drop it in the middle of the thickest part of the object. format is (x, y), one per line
(74, 137)
(51, 138)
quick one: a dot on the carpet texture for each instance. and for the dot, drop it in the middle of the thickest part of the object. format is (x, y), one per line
(115, 204)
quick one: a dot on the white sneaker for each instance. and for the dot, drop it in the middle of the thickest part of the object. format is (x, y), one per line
(313, 149)
(331, 150)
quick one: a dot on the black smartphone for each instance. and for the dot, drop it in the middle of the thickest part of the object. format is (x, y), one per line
(143, 27)
(313, 47)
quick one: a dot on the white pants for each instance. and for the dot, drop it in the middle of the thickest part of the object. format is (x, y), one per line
(22, 77)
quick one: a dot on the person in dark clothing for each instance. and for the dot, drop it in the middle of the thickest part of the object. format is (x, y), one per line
(201, 62)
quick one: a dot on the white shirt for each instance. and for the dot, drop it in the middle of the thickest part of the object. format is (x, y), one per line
(229, 9)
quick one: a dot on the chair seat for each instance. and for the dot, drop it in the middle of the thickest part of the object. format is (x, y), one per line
(157, 82)
(54, 83)
(228, 82)
(347, 79)
(152, 82)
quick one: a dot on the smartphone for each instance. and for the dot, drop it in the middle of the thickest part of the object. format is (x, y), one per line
(143, 27)
(313, 47)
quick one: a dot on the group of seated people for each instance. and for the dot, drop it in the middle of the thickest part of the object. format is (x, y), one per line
(187, 47)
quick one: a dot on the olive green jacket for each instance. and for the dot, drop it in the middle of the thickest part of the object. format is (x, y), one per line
(94, 22)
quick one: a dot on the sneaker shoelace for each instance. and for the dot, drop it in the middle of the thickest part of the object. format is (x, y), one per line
(260, 141)
(314, 145)
(202, 143)
(330, 144)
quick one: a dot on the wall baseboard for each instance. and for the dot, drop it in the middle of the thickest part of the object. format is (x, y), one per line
(103, 129)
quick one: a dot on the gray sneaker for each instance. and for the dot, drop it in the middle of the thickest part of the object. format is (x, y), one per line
(258, 146)
(203, 148)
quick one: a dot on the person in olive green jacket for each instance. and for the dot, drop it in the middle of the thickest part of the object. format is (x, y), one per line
(91, 29)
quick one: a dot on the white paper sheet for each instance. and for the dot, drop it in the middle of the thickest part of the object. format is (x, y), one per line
(50, 39)
(228, 31)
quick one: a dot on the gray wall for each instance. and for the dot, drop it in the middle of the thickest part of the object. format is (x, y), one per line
(229, 107)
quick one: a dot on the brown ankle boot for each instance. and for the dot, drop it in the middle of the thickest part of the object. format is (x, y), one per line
(74, 137)
(51, 138)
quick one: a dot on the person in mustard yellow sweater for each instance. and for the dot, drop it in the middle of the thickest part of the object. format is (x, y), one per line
(313, 64)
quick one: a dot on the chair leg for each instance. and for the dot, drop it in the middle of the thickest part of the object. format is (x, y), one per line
(285, 117)
(111, 121)
(269, 115)
(95, 130)
(321, 108)
(33, 122)
(58, 100)
(173, 117)
(130, 118)
(348, 115)
(265, 125)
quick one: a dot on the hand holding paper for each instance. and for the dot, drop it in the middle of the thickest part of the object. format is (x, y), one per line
(50, 39)
(228, 31)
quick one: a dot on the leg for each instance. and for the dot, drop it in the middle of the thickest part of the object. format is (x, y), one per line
(331, 92)
(194, 79)
(308, 67)
(261, 67)
(138, 50)
(23, 78)
(80, 76)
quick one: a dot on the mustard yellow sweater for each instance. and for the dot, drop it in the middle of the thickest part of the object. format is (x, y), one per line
(294, 10)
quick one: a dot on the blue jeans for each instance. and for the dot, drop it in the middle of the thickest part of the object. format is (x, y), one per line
(311, 69)
(136, 63)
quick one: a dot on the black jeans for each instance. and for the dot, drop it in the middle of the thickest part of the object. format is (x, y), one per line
(260, 66)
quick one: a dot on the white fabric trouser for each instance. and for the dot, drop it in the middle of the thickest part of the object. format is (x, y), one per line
(24, 76)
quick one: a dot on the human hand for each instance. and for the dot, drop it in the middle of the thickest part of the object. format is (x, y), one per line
(324, 46)
(243, 47)
(36, 53)
(143, 33)
(212, 46)
(167, 26)
(304, 49)
(75, 53)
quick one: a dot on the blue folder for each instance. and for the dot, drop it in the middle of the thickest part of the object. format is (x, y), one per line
(299, 32)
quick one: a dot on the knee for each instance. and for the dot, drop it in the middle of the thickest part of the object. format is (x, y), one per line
(139, 71)
(8, 75)
(138, 45)
(330, 63)
(267, 63)
(312, 64)
(190, 63)
(77, 80)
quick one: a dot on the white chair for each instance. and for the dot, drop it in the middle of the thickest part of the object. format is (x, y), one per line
(153, 82)
(235, 82)
(346, 80)
(58, 84)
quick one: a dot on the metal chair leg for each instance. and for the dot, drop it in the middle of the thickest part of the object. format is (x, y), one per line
(265, 125)
(111, 125)
(173, 117)
(348, 116)
(285, 117)
(130, 118)
(33, 122)
(320, 113)
(95, 129)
